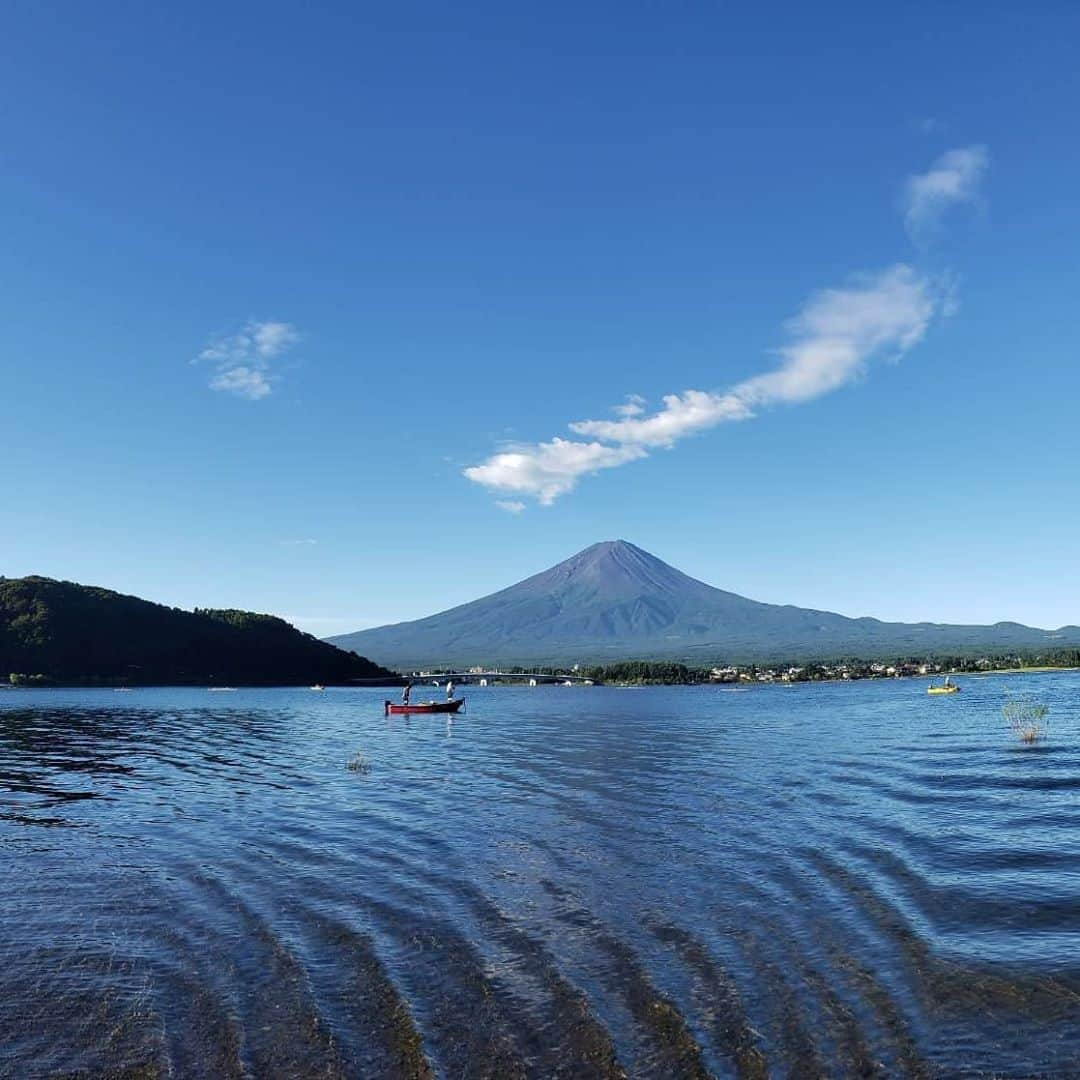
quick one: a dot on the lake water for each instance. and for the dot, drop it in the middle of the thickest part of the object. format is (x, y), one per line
(820, 880)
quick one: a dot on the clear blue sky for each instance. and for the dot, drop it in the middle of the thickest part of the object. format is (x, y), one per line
(273, 276)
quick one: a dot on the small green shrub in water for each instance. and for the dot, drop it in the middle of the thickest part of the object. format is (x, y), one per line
(1026, 719)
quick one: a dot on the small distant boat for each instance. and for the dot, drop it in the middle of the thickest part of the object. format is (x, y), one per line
(945, 688)
(452, 706)
(222, 689)
(316, 687)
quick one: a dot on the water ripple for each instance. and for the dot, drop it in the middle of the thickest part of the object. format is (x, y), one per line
(838, 880)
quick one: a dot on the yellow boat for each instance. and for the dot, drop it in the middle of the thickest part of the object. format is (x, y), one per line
(947, 688)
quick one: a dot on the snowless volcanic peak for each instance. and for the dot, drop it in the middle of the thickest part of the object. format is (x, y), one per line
(614, 568)
(615, 601)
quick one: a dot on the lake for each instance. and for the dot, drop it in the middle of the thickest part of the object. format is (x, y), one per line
(817, 880)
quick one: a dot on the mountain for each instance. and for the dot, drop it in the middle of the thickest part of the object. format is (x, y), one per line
(614, 601)
(78, 633)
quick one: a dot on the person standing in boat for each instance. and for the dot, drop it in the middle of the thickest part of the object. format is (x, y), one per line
(405, 693)
(449, 689)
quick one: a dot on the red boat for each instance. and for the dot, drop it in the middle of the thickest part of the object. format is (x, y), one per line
(423, 707)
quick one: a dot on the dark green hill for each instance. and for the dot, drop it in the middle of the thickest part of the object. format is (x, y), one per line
(72, 633)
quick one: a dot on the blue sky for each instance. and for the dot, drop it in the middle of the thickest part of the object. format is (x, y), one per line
(294, 296)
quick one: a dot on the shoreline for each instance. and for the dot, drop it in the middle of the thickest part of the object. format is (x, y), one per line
(1041, 670)
(745, 684)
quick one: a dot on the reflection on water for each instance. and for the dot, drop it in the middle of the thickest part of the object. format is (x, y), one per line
(830, 880)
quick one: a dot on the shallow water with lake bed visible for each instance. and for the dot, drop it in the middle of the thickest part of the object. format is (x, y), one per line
(817, 880)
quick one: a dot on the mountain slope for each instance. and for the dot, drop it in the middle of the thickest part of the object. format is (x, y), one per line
(615, 601)
(79, 633)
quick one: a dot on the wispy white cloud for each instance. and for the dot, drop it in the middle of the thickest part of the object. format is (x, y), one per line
(839, 330)
(634, 405)
(954, 178)
(271, 339)
(547, 470)
(833, 337)
(682, 414)
(302, 542)
(511, 506)
(244, 361)
(243, 381)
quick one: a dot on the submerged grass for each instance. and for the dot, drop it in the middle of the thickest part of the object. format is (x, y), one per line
(1026, 719)
(358, 764)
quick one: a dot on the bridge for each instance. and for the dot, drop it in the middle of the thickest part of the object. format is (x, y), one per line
(533, 678)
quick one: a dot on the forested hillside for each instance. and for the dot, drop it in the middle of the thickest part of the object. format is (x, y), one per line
(64, 632)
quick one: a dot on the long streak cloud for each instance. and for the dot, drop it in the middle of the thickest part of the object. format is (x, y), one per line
(831, 340)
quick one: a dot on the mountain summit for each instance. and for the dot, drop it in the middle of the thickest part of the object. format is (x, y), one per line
(614, 601)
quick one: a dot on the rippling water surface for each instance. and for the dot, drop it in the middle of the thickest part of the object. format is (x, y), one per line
(833, 880)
